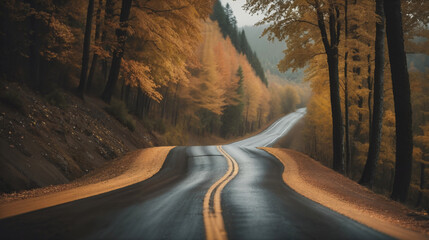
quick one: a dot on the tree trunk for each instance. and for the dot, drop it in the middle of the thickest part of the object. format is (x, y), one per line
(86, 47)
(355, 57)
(164, 103)
(145, 103)
(331, 49)
(368, 174)
(357, 131)
(401, 97)
(337, 125)
(175, 107)
(123, 92)
(176, 113)
(127, 95)
(97, 41)
(347, 123)
(348, 157)
(369, 82)
(422, 183)
(34, 77)
(115, 67)
(139, 103)
(141, 108)
(108, 16)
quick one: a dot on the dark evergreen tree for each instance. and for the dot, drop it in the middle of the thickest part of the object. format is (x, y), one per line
(257, 66)
(245, 47)
(221, 18)
(230, 20)
(228, 27)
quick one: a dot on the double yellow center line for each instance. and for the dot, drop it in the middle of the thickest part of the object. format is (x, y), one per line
(212, 211)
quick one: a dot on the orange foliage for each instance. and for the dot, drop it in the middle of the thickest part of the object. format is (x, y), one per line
(220, 56)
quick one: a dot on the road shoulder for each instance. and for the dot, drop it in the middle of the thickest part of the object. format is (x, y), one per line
(134, 167)
(323, 185)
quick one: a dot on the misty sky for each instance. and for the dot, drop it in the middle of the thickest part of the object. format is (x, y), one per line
(243, 18)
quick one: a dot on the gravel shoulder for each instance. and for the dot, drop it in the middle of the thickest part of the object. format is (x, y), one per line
(325, 186)
(134, 167)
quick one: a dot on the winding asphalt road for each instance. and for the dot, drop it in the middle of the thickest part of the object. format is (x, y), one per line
(235, 191)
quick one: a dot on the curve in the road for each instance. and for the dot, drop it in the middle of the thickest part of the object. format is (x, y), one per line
(274, 132)
(166, 206)
(253, 203)
(212, 210)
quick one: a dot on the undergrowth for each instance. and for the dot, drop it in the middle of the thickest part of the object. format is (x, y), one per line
(167, 133)
(57, 98)
(11, 98)
(118, 110)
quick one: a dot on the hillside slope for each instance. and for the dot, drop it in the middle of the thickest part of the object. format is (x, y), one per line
(57, 138)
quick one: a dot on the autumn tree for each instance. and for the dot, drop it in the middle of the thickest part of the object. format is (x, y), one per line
(232, 115)
(164, 59)
(164, 43)
(228, 26)
(296, 22)
(420, 100)
(36, 35)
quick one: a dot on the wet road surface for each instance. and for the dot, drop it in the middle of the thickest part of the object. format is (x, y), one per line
(256, 204)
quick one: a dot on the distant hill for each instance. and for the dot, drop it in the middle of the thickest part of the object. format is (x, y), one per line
(269, 53)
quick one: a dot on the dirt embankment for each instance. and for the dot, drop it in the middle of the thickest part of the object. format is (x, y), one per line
(56, 138)
(134, 167)
(325, 186)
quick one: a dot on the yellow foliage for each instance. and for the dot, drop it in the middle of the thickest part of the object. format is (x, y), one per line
(164, 35)
(214, 81)
(136, 74)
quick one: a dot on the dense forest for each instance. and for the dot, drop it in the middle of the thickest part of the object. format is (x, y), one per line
(359, 115)
(180, 67)
(228, 26)
(184, 68)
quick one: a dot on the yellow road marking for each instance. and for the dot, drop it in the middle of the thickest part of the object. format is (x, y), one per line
(213, 221)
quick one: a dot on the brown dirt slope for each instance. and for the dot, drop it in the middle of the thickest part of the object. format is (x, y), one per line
(325, 186)
(134, 167)
(56, 138)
